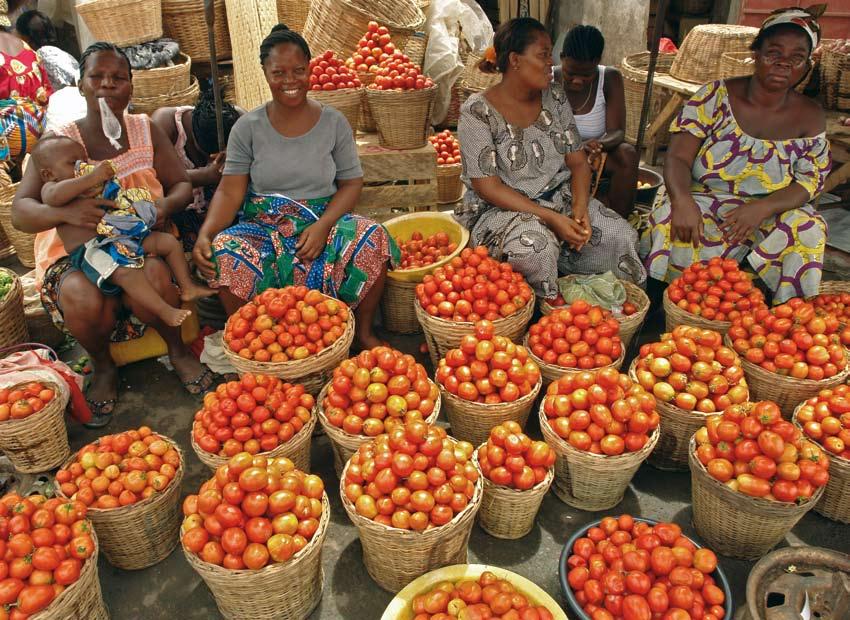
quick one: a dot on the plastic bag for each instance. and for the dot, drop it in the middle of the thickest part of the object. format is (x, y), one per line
(605, 291)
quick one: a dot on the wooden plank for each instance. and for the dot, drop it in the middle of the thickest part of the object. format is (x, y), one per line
(386, 196)
(381, 164)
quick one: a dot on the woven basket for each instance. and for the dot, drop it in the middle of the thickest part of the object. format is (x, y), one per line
(449, 185)
(365, 122)
(81, 599)
(592, 481)
(415, 48)
(284, 591)
(6, 247)
(42, 329)
(397, 312)
(475, 80)
(346, 101)
(402, 118)
(834, 76)
(38, 443)
(164, 80)
(142, 534)
(343, 444)
(297, 449)
(835, 503)
(735, 524)
(509, 513)
(183, 21)
(122, 22)
(312, 372)
(149, 105)
(453, 113)
(395, 557)
(22, 241)
(293, 13)
(674, 315)
(700, 54)
(787, 392)
(553, 372)
(13, 325)
(442, 335)
(339, 24)
(635, 70)
(472, 421)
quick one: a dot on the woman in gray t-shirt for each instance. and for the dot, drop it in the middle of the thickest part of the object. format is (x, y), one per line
(293, 176)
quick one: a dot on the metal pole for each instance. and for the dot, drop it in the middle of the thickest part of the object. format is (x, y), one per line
(209, 16)
(658, 28)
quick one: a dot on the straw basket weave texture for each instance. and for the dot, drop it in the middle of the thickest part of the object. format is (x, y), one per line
(635, 70)
(395, 557)
(787, 392)
(41, 328)
(473, 78)
(142, 534)
(442, 335)
(365, 122)
(13, 325)
(449, 185)
(297, 449)
(397, 312)
(835, 503)
(285, 591)
(509, 513)
(38, 443)
(415, 47)
(122, 22)
(834, 75)
(183, 21)
(339, 24)
(402, 118)
(312, 372)
(592, 481)
(163, 80)
(293, 13)
(674, 316)
(250, 21)
(699, 59)
(187, 96)
(6, 247)
(346, 100)
(82, 599)
(735, 524)
(23, 242)
(553, 372)
(472, 421)
(343, 444)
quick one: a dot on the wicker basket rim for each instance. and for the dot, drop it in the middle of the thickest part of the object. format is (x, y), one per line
(675, 409)
(87, 4)
(568, 370)
(462, 324)
(385, 19)
(16, 282)
(168, 97)
(651, 440)
(545, 483)
(17, 426)
(378, 94)
(310, 423)
(185, 59)
(340, 93)
(841, 460)
(494, 408)
(670, 306)
(90, 562)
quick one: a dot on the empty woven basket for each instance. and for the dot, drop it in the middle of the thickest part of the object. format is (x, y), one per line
(700, 57)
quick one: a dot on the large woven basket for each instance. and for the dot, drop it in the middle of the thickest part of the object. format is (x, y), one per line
(297, 449)
(38, 443)
(449, 185)
(293, 13)
(674, 315)
(343, 444)
(834, 76)
(509, 513)
(635, 70)
(339, 24)
(397, 312)
(312, 372)
(6, 247)
(592, 481)
(81, 599)
(395, 557)
(142, 534)
(365, 122)
(149, 105)
(735, 524)
(346, 101)
(553, 372)
(23, 242)
(183, 21)
(402, 118)
(787, 392)
(122, 22)
(164, 80)
(13, 324)
(699, 59)
(415, 47)
(288, 590)
(474, 79)
(835, 503)
(472, 421)
(442, 335)
(835, 287)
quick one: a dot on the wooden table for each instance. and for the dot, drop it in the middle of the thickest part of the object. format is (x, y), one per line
(682, 91)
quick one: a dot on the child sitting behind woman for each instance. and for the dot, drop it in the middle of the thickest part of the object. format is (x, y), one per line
(113, 256)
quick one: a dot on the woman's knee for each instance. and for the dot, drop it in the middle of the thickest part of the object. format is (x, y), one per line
(625, 156)
(84, 305)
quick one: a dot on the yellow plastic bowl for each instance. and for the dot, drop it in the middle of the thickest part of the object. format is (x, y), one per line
(401, 607)
(428, 224)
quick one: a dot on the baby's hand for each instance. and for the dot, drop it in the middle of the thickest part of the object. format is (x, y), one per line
(103, 171)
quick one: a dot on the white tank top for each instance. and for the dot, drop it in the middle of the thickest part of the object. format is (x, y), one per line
(591, 126)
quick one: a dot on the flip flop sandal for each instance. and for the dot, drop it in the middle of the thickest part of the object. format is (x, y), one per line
(203, 382)
(101, 418)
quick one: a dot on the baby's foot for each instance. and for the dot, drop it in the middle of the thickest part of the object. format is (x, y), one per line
(174, 316)
(194, 291)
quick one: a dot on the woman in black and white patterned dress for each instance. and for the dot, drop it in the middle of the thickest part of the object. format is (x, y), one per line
(527, 177)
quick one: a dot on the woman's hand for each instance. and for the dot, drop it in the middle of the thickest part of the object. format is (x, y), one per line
(211, 173)
(85, 212)
(740, 223)
(202, 257)
(312, 241)
(579, 214)
(568, 230)
(686, 221)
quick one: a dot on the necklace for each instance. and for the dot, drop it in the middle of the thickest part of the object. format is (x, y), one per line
(590, 91)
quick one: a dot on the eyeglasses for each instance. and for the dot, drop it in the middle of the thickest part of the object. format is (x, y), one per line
(797, 61)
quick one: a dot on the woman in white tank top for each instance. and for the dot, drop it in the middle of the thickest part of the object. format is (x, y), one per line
(598, 100)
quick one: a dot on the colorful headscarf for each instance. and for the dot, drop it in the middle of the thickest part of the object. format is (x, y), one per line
(804, 18)
(4, 14)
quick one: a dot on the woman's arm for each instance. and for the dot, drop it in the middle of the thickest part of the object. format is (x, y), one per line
(171, 173)
(686, 224)
(615, 110)
(580, 177)
(221, 213)
(315, 237)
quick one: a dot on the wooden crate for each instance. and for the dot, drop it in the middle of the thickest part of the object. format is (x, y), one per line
(395, 181)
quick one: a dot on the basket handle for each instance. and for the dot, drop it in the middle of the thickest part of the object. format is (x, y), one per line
(4, 351)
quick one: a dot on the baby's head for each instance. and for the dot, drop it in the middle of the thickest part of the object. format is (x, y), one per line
(56, 157)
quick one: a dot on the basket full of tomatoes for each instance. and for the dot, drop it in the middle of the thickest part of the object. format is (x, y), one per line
(335, 84)
(710, 294)
(32, 426)
(372, 393)
(517, 474)
(257, 414)
(254, 534)
(789, 352)
(834, 299)
(825, 418)
(753, 477)
(449, 167)
(293, 333)
(50, 561)
(13, 323)
(602, 426)
(692, 375)
(130, 483)
(473, 286)
(412, 494)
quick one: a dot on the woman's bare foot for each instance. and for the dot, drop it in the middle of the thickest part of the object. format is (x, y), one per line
(193, 291)
(174, 317)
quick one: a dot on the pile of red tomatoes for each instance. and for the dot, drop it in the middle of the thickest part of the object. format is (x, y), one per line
(419, 252)
(21, 401)
(825, 418)
(580, 336)
(716, 290)
(447, 147)
(510, 458)
(327, 72)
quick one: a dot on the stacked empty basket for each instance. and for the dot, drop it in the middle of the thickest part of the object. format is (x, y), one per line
(700, 57)
(635, 70)
(122, 22)
(23, 242)
(183, 21)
